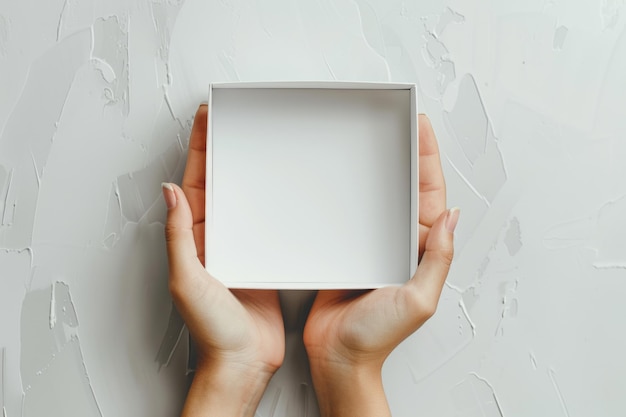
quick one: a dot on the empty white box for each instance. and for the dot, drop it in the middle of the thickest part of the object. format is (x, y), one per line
(312, 185)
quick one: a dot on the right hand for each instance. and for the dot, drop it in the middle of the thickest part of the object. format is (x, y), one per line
(349, 334)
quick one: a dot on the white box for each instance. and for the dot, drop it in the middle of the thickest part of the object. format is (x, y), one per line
(312, 185)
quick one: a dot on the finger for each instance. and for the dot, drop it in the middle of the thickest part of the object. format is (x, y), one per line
(432, 186)
(424, 289)
(196, 168)
(195, 176)
(187, 275)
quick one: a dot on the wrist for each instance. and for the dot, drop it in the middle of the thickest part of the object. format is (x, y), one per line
(226, 389)
(349, 389)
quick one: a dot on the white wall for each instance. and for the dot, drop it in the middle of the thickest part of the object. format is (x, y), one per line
(527, 99)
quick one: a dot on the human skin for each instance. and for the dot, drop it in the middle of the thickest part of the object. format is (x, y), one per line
(239, 334)
(349, 334)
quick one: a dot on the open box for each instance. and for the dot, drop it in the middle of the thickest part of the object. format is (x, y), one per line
(312, 185)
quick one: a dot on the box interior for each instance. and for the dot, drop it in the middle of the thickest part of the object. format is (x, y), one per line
(309, 187)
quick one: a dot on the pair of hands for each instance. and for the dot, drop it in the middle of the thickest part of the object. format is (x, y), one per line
(348, 335)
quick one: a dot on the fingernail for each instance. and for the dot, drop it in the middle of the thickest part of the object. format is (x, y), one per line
(452, 219)
(168, 195)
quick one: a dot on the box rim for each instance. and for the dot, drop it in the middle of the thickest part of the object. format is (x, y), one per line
(347, 85)
(414, 180)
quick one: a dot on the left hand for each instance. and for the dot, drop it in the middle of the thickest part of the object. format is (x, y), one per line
(239, 334)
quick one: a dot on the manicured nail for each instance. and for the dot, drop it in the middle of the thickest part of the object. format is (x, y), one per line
(452, 219)
(168, 195)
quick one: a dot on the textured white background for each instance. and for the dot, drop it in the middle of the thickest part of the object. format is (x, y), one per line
(527, 99)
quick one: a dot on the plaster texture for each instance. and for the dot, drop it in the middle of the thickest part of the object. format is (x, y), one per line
(527, 100)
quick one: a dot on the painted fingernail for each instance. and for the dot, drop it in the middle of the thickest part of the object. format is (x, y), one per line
(452, 219)
(168, 195)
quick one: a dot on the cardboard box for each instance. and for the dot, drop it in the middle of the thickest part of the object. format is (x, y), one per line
(312, 185)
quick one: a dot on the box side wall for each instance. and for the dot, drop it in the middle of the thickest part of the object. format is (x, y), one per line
(347, 85)
(305, 285)
(414, 183)
(209, 182)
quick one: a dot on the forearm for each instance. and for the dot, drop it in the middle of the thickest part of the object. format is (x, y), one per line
(348, 391)
(225, 391)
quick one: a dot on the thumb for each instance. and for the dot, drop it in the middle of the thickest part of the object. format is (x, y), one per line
(433, 269)
(182, 254)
